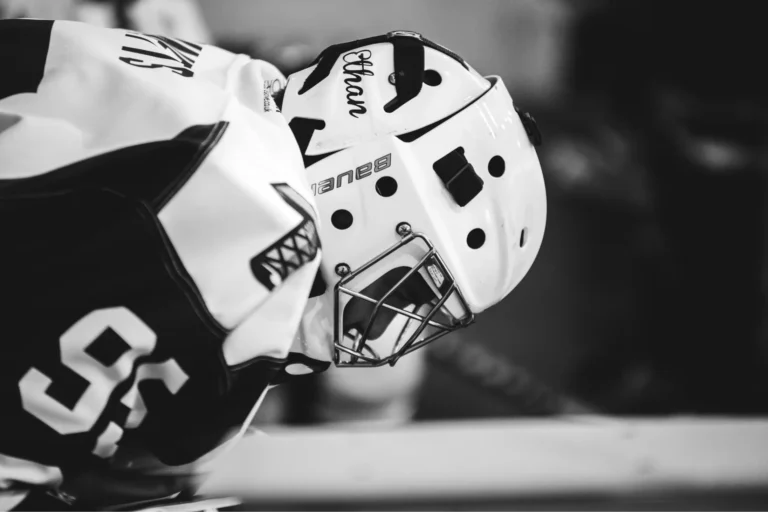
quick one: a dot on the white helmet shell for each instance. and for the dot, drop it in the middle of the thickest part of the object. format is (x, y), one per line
(447, 185)
(352, 86)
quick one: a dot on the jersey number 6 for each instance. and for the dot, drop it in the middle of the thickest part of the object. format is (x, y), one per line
(76, 354)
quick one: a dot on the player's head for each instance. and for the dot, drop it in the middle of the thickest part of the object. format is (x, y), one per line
(430, 195)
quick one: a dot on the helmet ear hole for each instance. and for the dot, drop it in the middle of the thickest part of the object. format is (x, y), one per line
(432, 78)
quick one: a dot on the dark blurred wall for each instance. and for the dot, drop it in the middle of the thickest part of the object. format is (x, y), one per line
(648, 296)
(707, 132)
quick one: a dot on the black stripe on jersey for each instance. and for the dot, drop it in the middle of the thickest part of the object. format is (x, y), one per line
(151, 172)
(23, 52)
(42, 499)
(280, 364)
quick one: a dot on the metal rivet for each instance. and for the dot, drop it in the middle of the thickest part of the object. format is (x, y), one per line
(392, 79)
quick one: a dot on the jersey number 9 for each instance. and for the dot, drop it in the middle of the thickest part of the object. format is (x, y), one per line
(76, 345)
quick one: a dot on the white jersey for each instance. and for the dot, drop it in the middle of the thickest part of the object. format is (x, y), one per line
(160, 243)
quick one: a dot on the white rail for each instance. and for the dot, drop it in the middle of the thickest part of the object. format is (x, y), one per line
(495, 460)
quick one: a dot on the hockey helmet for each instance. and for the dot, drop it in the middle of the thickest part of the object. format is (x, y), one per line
(431, 198)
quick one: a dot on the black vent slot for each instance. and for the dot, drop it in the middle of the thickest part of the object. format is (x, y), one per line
(459, 176)
(409, 71)
(303, 129)
(531, 128)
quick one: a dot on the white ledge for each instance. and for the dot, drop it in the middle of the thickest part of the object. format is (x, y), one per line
(504, 459)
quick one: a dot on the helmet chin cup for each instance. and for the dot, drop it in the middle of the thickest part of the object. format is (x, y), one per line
(421, 325)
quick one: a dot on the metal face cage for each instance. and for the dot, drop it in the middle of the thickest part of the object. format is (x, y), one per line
(358, 353)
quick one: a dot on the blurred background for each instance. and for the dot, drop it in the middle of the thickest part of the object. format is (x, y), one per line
(648, 295)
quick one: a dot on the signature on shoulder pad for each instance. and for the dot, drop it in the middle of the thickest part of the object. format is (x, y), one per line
(161, 52)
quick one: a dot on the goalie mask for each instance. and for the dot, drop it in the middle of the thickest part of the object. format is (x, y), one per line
(430, 195)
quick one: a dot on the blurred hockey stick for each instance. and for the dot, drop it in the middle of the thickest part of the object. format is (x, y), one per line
(490, 371)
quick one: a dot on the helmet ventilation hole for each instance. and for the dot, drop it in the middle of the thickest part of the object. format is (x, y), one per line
(432, 78)
(476, 238)
(386, 186)
(496, 167)
(523, 237)
(341, 219)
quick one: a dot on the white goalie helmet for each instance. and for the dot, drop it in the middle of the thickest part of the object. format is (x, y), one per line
(431, 198)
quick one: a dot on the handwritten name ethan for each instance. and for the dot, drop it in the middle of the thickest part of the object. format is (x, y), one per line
(356, 66)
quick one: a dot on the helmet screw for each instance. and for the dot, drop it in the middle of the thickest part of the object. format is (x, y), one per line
(403, 229)
(342, 269)
(392, 79)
